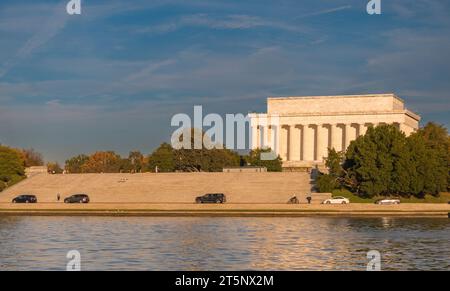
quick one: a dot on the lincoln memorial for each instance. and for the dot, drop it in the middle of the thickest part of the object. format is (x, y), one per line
(301, 129)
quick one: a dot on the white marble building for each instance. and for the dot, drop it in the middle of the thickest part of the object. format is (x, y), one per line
(301, 129)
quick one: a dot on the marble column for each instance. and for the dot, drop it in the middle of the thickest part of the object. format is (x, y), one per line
(350, 134)
(295, 140)
(302, 141)
(309, 142)
(274, 139)
(362, 129)
(284, 143)
(255, 137)
(260, 137)
(336, 137)
(265, 137)
(322, 142)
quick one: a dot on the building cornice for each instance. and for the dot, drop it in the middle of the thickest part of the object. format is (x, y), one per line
(394, 112)
(413, 115)
(335, 96)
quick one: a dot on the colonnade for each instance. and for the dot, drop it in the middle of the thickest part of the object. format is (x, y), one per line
(308, 142)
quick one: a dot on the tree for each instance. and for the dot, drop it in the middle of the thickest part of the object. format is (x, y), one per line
(75, 164)
(54, 168)
(254, 159)
(437, 143)
(32, 158)
(334, 163)
(448, 164)
(211, 157)
(105, 162)
(163, 158)
(326, 183)
(370, 160)
(102, 162)
(336, 175)
(204, 160)
(136, 160)
(385, 162)
(11, 167)
(429, 160)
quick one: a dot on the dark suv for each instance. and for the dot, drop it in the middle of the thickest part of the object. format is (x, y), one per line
(212, 198)
(77, 198)
(25, 199)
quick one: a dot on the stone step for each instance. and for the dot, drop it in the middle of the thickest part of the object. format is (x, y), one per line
(165, 188)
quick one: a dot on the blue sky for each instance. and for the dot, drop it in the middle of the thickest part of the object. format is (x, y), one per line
(113, 77)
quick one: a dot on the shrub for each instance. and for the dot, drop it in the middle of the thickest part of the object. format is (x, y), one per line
(326, 183)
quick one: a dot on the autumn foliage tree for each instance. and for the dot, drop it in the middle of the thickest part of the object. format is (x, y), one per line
(136, 160)
(106, 162)
(75, 165)
(102, 162)
(209, 157)
(32, 158)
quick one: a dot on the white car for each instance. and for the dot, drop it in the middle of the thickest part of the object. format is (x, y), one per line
(388, 201)
(337, 200)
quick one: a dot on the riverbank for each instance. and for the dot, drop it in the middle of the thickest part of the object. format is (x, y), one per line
(237, 210)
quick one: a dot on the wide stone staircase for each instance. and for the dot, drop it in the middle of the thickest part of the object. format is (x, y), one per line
(267, 188)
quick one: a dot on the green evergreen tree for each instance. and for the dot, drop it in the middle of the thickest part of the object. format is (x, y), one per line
(12, 168)
(370, 160)
(334, 163)
(436, 141)
(163, 158)
(254, 159)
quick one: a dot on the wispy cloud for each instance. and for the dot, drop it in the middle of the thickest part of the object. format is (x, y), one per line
(325, 12)
(120, 89)
(55, 23)
(149, 69)
(230, 22)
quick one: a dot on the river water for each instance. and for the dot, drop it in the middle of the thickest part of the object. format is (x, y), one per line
(148, 243)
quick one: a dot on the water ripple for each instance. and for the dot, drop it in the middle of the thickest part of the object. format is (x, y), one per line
(41, 243)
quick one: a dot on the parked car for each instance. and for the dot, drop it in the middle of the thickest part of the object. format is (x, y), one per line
(212, 198)
(337, 200)
(77, 198)
(26, 198)
(388, 201)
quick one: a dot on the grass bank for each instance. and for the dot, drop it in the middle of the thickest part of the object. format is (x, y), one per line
(443, 198)
(14, 180)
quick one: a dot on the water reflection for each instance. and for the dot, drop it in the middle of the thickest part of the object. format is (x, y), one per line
(41, 243)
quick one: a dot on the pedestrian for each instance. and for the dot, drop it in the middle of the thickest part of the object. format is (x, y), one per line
(58, 197)
(293, 200)
(309, 198)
